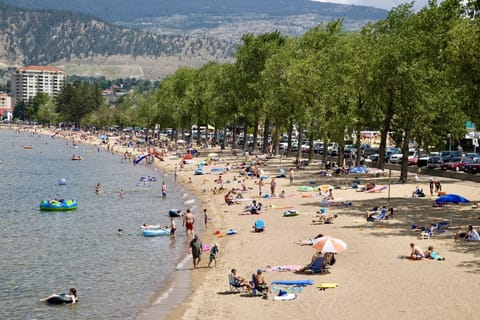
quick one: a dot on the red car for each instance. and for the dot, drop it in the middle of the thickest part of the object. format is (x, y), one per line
(473, 167)
(456, 163)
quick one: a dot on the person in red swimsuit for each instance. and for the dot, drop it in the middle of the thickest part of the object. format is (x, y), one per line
(189, 221)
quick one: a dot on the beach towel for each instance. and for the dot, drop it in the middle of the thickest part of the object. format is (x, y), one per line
(281, 207)
(283, 268)
(293, 282)
(306, 189)
(288, 289)
(380, 189)
(282, 296)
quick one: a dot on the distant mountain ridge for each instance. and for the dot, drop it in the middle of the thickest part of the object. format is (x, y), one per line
(129, 11)
(156, 36)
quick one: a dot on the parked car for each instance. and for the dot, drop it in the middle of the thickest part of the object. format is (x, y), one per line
(318, 147)
(423, 161)
(473, 167)
(456, 163)
(434, 162)
(396, 158)
(333, 151)
(349, 151)
(373, 157)
(306, 147)
(446, 155)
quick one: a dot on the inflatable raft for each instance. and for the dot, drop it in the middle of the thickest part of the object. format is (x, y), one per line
(290, 213)
(59, 299)
(58, 205)
(155, 232)
(175, 213)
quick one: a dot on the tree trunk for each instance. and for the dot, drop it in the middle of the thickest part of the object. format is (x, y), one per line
(255, 135)
(266, 129)
(385, 130)
(245, 142)
(310, 147)
(358, 154)
(299, 145)
(290, 133)
(234, 132)
(276, 139)
(404, 166)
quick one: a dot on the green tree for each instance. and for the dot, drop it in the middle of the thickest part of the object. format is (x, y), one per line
(78, 100)
(35, 103)
(251, 58)
(46, 113)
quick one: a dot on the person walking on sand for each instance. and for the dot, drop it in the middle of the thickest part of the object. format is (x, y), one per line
(196, 247)
(205, 218)
(164, 189)
(213, 255)
(291, 175)
(273, 184)
(260, 187)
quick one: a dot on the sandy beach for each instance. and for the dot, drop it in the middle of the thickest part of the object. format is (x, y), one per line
(373, 281)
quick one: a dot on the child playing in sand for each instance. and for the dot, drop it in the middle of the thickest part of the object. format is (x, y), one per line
(213, 255)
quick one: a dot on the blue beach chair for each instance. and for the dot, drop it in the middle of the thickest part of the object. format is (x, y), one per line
(317, 266)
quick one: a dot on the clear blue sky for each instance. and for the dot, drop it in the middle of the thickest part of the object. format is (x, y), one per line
(383, 4)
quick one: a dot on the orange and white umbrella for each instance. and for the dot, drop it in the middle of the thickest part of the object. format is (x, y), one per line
(329, 244)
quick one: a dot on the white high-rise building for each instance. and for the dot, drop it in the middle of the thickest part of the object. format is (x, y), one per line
(28, 81)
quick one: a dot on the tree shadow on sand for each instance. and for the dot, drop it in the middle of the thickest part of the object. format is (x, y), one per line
(411, 212)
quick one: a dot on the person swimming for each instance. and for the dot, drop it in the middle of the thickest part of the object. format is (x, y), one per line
(61, 298)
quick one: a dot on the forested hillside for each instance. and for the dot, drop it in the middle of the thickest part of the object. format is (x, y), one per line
(31, 36)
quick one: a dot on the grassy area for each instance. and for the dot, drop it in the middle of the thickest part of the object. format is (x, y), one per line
(109, 71)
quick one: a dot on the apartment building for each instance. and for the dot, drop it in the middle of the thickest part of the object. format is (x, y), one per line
(5, 106)
(28, 81)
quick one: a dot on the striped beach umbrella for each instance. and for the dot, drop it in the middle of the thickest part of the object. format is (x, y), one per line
(329, 244)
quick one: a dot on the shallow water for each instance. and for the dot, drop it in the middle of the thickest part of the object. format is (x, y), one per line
(45, 252)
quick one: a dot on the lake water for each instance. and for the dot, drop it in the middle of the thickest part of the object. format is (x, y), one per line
(46, 252)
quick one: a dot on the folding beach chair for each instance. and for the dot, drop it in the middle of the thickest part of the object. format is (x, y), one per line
(233, 286)
(317, 266)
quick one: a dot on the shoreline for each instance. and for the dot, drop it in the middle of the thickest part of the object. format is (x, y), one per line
(178, 285)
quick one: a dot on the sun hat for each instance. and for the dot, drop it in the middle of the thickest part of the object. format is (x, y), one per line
(259, 270)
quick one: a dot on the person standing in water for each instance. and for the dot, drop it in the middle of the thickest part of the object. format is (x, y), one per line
(189, 221)
(98, 188)
(173, 228)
